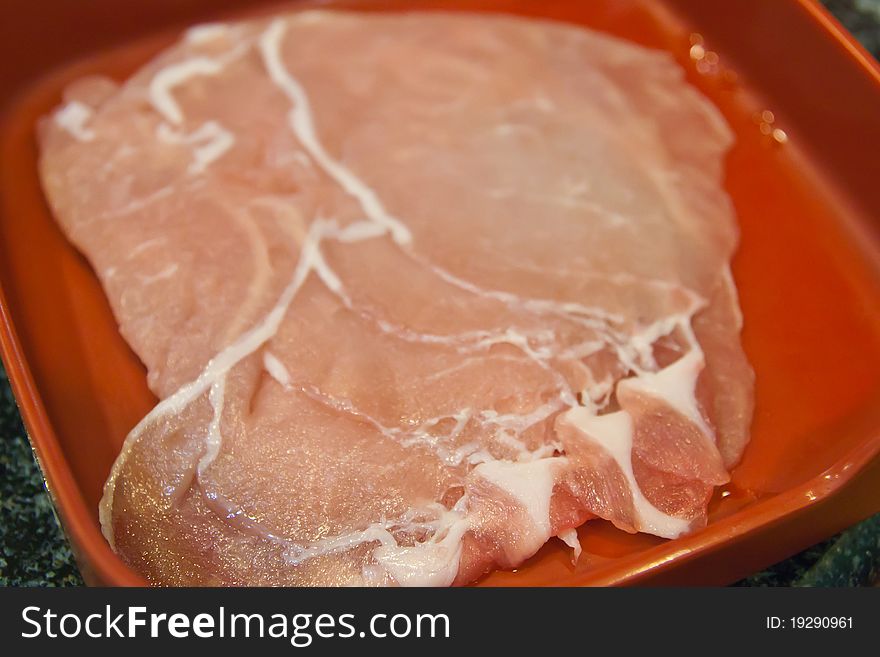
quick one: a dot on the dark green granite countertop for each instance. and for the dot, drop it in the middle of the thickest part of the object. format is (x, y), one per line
(34, 551)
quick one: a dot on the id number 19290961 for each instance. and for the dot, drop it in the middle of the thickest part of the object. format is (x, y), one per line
(809, 623)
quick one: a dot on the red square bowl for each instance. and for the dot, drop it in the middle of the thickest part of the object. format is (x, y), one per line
(808, 271)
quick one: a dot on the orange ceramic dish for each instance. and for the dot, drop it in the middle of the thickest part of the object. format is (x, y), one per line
(804, 101)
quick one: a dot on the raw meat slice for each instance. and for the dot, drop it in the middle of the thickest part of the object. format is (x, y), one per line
(417, 292)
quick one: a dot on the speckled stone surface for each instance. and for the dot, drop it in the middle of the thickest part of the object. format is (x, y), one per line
(34, 551)
(862, 18)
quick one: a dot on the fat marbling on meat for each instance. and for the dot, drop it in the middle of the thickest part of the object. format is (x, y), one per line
(416, 292)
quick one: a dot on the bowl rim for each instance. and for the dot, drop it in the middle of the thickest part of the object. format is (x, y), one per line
(100, 564)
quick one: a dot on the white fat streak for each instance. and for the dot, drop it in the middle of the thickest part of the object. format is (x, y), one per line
(539, 101)
(461, 418)
(276, 369)
(434, 520)
(544, 104)
(563, 200)
(163, 83)
(519, 422)
(539, 355)
(376, 532)
(523, 453)
(303, 126)
(313, 16)
(641, 343)
(570, 538)
(214, 439)
(199, 34)
(676, 385)
(596, 394)
(582, 350)
(430, 563)
(144, 246)
(516, 338)
(404, 437)
(568, 309)
(531, 485)
(614, 433)
(359, 231)
(472, 452)
(470, 361)
(73, 118)
(640, 346)
(167, 272)
(212, 141)
(138, 204)
(474, 340)
(634, 351)
(212, 150)
(727, 277)
(507, 129)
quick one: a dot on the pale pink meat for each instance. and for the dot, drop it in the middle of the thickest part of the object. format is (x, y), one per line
(417, 292)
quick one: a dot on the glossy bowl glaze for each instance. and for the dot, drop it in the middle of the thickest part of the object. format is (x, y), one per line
(807, 192)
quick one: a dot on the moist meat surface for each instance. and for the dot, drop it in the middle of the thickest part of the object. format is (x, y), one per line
(416, 292)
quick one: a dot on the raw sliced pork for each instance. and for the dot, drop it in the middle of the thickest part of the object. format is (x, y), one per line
(417, 292)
